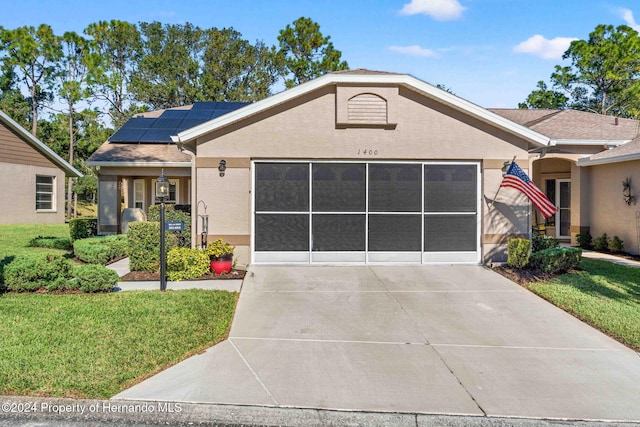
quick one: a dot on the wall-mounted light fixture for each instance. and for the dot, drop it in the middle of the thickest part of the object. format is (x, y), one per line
(222, 167)
(626, 192)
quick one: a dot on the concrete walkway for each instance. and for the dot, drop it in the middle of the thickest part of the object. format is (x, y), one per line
(456, 340)
(610, 258)
(122, 267)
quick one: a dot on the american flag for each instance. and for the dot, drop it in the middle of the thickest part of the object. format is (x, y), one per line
(518, 179)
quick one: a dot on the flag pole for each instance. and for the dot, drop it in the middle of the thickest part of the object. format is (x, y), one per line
(500, 186)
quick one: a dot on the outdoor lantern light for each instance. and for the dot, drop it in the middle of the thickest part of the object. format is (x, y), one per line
(162, 187)
(222, 167)
(162, 193)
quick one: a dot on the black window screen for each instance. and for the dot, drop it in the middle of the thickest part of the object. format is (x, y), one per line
(395, 188)
(450, 233)
(282, 187)
(339, 187)
(450, 188)
(395, 233)
(282, 232)
(338, 232)
(551, 194)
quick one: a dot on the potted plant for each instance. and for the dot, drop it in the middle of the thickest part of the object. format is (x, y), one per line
(221, 256)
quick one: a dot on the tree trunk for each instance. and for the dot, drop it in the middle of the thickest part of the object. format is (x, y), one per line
(70, 186)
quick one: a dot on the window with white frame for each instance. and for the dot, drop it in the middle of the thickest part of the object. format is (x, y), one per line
(45, 193)
(173, 191)
(138, 193)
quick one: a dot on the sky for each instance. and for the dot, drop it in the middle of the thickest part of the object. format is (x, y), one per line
(490, 52)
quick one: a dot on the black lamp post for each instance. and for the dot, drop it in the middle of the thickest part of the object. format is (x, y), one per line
(162, 193)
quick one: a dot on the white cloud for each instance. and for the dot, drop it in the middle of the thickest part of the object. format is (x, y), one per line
(544, 48)
(442, 10)
(627, 15)
(414, 50)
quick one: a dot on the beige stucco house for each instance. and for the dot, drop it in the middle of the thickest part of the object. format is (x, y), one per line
(356, 167)
(33, 177)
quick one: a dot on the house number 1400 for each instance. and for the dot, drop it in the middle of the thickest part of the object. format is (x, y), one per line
(367, 152)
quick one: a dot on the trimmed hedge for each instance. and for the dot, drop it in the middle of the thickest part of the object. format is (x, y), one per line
(51, 242)
(182, 238)
(556, 260)
(143, 240)
(518, 251)
(95, 278)
(542, 243)
(101, 250)
(28, 273)
(81, 228)
(186, 263)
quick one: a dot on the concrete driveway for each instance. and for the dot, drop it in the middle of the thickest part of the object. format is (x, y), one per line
(427, 339)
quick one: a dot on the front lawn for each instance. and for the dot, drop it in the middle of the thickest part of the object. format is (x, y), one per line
(14, 239)
(95, 345)
(602, 294)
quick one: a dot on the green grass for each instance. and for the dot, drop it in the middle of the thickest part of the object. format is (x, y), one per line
(603, 294)
(93, 346)
(14, 239)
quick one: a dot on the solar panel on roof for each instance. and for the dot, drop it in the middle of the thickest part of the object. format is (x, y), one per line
(198, 114)
(188, 124)
(171, 122)
(127, 135)
(174, 114)
(162, 123)
(205, 105)
(138, 123)
(155, 135)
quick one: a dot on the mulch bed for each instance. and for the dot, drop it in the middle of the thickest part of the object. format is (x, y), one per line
(134, 276)
(522, 276)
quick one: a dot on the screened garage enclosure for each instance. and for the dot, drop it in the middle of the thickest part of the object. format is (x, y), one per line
(366, 212)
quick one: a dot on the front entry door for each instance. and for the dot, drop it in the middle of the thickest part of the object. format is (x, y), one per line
(563, 203)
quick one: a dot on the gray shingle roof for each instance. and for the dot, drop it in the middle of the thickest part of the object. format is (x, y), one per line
(573, 124)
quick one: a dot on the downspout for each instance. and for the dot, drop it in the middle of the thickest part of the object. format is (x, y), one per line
(194, 186)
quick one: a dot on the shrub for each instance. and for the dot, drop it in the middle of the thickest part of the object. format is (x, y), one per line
(51, 242)
(63, 284)
(81, 228)
(556, 260)
(100, 250)
(541, 243)
(220, 250)
(616, 245)
(518, 252)
(186, 263)
(601, 243)
(143, 246)
(174, 213)
(585, 240)
(28, 273)
(96, 278)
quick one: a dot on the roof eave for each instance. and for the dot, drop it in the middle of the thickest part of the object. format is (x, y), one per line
(533, 137)
(584, 142)
(69, 170)
(112, 163)
(617, 159)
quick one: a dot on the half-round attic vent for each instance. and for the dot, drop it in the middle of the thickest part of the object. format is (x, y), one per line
(367, 108)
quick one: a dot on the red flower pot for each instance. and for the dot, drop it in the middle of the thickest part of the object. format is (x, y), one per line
(221, 266)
